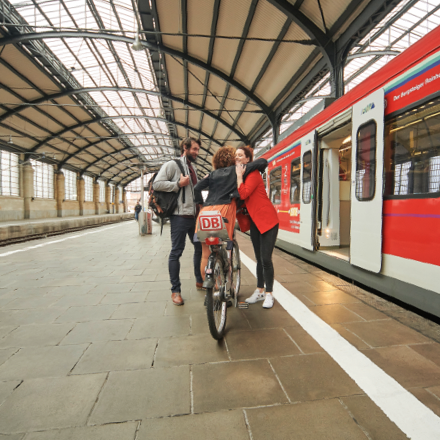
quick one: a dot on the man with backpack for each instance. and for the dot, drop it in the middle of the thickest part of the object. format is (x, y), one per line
(183, 220)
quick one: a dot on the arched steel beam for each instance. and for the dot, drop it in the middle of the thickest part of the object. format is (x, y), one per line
(123, 89)
(323, 39)
(134, 178)
(120, 152)
(119, 136)
(148, 45)
(72, 155)
(127, 183)
(131, 148)
(112, 118)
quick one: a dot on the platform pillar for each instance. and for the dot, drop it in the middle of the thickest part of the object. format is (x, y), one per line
(81, 195)
(28, 188)
(107, 197)
(96, 197)
(59, 193)
(117, 199)
(124, 200)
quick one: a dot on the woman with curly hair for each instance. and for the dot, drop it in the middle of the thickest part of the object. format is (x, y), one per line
(264, 225)
(222, 185)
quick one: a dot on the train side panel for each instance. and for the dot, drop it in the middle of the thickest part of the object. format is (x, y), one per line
(411, 207)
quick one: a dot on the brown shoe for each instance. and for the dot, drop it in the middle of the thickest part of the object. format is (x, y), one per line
(177, 299)
(199, 286)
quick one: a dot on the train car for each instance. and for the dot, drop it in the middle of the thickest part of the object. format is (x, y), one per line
(357, 187)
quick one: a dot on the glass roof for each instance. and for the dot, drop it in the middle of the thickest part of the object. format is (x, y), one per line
(103, 63)
(402, 27)
(100, 63)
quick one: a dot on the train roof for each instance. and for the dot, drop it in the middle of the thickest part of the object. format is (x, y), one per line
(419, 51)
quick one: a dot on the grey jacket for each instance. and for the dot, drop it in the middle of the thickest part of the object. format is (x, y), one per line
(167, 180)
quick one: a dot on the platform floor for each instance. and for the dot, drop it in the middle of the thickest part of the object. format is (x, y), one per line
(91, 348)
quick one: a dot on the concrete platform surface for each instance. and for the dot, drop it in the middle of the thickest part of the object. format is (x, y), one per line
(91, 347)
(25, 228)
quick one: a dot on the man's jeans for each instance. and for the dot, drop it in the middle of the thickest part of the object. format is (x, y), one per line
(180, 227)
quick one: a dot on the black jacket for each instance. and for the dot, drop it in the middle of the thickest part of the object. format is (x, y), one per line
(222, 184)
(138, 208)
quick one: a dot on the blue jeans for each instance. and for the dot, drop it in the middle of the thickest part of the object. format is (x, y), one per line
(180, 228)
(136, 215)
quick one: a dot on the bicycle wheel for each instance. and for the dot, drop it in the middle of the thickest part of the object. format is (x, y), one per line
(236, 272)
(216, 306)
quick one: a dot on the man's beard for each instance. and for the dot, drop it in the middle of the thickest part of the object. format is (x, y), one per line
(191, 158)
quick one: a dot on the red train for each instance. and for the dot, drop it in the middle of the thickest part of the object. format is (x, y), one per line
(357, 187)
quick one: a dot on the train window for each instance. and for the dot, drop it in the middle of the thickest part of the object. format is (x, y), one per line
(412, 152)
(307, 177)
(295, 181)
(366, 161)
(275, 186)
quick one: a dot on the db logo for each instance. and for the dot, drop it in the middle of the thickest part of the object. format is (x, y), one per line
(213, 223)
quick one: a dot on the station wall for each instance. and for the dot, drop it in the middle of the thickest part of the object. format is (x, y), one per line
(27, 206)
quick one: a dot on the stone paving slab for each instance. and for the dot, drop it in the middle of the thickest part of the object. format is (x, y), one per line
(98, 351)
(230, 385)
(222, 425)
(49, 403)
(188, 350)
(325, 419)
(116, 356)
(105, 330)
(36, 335)
(142, 394)
(115, 431)
(38, 362)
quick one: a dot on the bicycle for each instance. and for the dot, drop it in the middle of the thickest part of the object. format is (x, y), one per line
(223, 271)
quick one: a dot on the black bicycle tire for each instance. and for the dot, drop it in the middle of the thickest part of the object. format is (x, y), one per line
(216, 333)
(236, 251)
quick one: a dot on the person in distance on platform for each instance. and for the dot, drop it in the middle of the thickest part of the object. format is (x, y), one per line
(137, 210)
(222, 184)
(183, 220)
(264, 225)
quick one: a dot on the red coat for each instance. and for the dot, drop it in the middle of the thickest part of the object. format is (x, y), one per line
(261, 210)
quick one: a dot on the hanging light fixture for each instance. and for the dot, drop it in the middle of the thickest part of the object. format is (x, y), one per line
(137, 45)
(10, 139)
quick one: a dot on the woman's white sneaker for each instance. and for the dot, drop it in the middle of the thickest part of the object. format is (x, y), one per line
(255, 297)
(268, 302)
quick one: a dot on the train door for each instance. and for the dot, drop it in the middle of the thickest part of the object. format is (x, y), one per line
(366, 182)
(333, 195)
(307, 204)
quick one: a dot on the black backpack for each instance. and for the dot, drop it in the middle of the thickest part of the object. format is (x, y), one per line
(163, 203)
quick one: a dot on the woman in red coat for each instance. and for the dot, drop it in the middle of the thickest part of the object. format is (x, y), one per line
(264, 225)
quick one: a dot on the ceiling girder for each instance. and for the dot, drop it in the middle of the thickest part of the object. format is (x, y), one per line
(112, 118)
(137, 173)
(109, 138)
(371, 15)
(323, 39)
(148, 45)
(121, 89)
(119, 152)
(130, 148)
